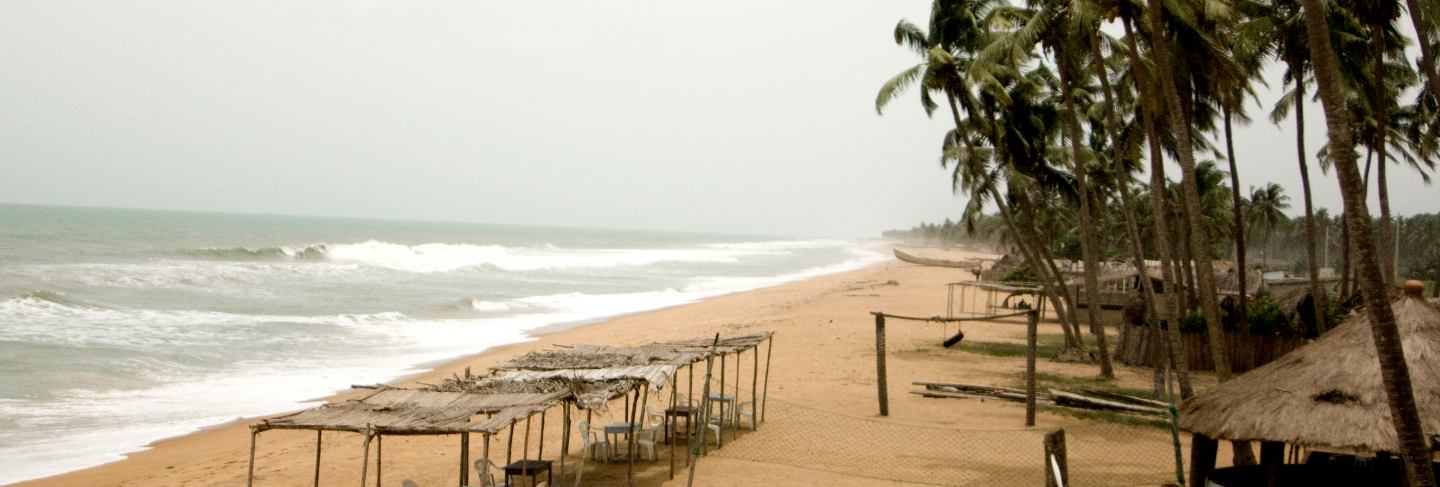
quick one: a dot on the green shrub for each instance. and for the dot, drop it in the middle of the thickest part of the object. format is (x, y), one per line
(1021, 273)
(1266, 317)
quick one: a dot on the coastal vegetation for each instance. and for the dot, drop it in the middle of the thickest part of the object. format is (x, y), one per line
(1056, 107)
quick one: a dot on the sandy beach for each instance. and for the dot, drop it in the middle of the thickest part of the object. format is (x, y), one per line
(823, 358)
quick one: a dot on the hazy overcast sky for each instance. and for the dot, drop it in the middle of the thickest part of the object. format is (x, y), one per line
(742, 116)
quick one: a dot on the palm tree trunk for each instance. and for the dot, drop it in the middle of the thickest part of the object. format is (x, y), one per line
(1025, 240)
(1122, 178)
(1087, 230)
(1199, 239)
(1316, 295)
(1242, 306)
(1427, 56)
(1161, 222)
(1394, 370)
(1381, 101)
(1027, 209)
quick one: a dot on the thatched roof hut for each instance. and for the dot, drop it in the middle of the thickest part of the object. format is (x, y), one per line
(1328, 393)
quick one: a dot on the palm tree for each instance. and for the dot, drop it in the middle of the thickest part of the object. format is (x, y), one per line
(1394, 371)
(1266, 211)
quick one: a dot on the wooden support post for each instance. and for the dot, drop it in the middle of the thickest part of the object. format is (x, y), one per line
(318, 435)
(880, 364)
(670, 436)
(525, 447)
(564, 435)
(634, 447)
(1272, 457)
(540, 451)
(485, 453)
(250, 477)
(704, 415)
(1031, 336)
(379, 457)
(1202, 458)
(722, 399)
(464, 458)
(365, 459)
(1057, 471)
(765, 396)
(510, 445)
(754, 386)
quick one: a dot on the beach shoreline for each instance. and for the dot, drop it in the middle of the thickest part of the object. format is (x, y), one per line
(823, 356)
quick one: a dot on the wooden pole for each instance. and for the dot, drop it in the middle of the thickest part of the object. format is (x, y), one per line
(464, 458)
(754, 386)
(1057, 472)
(634, 448)
(379, 457)
(525, 447)
(318, 434)
(704, 414)
(565, 435)
(669, 436)
(880, 363)
(485, 453)
(540, 451)
(765, 396)
(365, 459)
(510, 445)
(1272, 456)
(1202, 458)
(250, 477)
(722, 399)
(1031, 336)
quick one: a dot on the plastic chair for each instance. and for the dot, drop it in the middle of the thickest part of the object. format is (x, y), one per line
(741, 413)
(483, 469)
(594, 443)
(646, 439)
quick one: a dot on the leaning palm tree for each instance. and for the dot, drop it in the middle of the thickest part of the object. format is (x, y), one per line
(1394, 371)
(1265, 210)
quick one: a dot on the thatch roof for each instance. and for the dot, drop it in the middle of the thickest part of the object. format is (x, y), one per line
(410, 411)
(1329, 392)
(590, 389)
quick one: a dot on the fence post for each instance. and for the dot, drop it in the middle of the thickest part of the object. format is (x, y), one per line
(1057, 474)
(1030, 339)
(880, 363)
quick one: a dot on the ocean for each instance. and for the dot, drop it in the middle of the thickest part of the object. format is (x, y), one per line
(122, 327)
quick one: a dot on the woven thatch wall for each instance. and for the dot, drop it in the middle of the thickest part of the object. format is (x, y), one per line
(1137, 346)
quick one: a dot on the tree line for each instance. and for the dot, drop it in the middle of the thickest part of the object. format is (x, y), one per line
(1055, 122)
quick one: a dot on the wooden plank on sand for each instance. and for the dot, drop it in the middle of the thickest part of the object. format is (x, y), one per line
(1075, 400)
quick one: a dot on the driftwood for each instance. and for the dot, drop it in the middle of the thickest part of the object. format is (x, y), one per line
(1078, 401)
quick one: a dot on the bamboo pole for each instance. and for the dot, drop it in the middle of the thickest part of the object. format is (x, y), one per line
(880, 363)
(318, 435)
(765, 396)
(250, 477)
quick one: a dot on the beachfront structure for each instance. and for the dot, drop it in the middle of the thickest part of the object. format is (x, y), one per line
(1327, 395)
(585, 376)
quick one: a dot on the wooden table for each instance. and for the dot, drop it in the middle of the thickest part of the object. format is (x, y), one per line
(673, 414)
(528, 468)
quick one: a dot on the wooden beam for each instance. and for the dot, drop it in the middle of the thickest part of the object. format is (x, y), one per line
(1057, 471)
(882, 394)
(1030, 339)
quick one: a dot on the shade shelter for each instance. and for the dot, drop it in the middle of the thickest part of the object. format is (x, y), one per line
(1327, 394)
(393, 411)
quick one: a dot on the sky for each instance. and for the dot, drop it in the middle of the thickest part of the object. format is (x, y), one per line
(736, 117)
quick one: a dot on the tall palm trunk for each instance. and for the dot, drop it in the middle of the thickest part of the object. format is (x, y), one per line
(1087, 223)
(1199, 239)
(1394, 371)
(1025, 240)
(1316, 295)
(1122, 178)
(1381, 102)
(1242, 315)
(1161, 222)
(1427, 56)
(1027, 209)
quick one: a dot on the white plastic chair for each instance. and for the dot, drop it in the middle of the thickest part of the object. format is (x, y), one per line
(483, 469)
(649, 432)
(745, 411)
(594, 443)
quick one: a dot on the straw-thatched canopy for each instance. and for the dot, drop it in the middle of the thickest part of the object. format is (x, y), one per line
(410, 411)
(1329, 392)
(589, 389)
